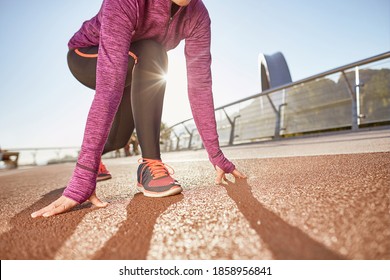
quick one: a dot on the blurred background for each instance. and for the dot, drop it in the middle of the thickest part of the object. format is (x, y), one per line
(44, 106)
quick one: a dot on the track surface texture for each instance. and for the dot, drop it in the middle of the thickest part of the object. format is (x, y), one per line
(317, 197)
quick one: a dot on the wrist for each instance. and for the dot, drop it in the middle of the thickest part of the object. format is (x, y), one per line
(222, 162)
(81, 185)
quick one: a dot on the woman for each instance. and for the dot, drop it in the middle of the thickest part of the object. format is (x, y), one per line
(129, 88)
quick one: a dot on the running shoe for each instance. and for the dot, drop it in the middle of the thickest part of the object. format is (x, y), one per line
(103, 173)
(154, 179)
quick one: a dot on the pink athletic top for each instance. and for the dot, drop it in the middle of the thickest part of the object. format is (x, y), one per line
(117, 24)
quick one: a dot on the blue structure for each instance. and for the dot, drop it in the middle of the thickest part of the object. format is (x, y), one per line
(274, 71)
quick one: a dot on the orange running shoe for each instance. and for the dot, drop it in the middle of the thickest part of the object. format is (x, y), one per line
(103, 173)
(154, 179)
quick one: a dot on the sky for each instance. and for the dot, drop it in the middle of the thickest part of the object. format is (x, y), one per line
(43, 105)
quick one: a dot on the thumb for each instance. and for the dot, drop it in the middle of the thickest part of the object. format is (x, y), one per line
(96, 201)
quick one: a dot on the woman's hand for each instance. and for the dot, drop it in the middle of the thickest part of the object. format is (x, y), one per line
(64, 204)
(222, 175)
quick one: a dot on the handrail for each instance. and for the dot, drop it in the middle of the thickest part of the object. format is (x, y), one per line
(280, 114)
(311, 78)
(305, 80)
(264, 93)
(35, 151)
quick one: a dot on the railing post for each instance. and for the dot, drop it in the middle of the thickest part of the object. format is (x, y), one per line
(357, 92)
(190, 134)
(355, 123)
(177, 140)
(233, 130)
(232, 126)
(278, 116)
(279, 119)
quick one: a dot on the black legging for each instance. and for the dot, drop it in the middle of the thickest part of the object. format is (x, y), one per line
(143, 95)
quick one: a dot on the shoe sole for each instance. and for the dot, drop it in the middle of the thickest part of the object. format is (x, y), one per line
(172, 191)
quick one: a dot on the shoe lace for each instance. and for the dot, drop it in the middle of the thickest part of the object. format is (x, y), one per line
(157, 168)
(102, 168)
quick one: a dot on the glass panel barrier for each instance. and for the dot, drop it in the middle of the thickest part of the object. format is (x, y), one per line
(374, 91)
(318, 105)
(342, 98)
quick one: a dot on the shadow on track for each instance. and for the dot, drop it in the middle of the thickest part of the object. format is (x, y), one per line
(286, 242)
(132, 241)
(40, 238)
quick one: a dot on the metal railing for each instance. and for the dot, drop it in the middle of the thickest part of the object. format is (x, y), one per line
(347, 97)
(351, 96)
(45, 155)
(50, 155)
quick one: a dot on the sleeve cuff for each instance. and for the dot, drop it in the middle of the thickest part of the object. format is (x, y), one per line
(222, 162)
(81, 186)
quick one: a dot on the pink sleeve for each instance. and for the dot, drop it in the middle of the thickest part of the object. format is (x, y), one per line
(115, 37)
(198, 57)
